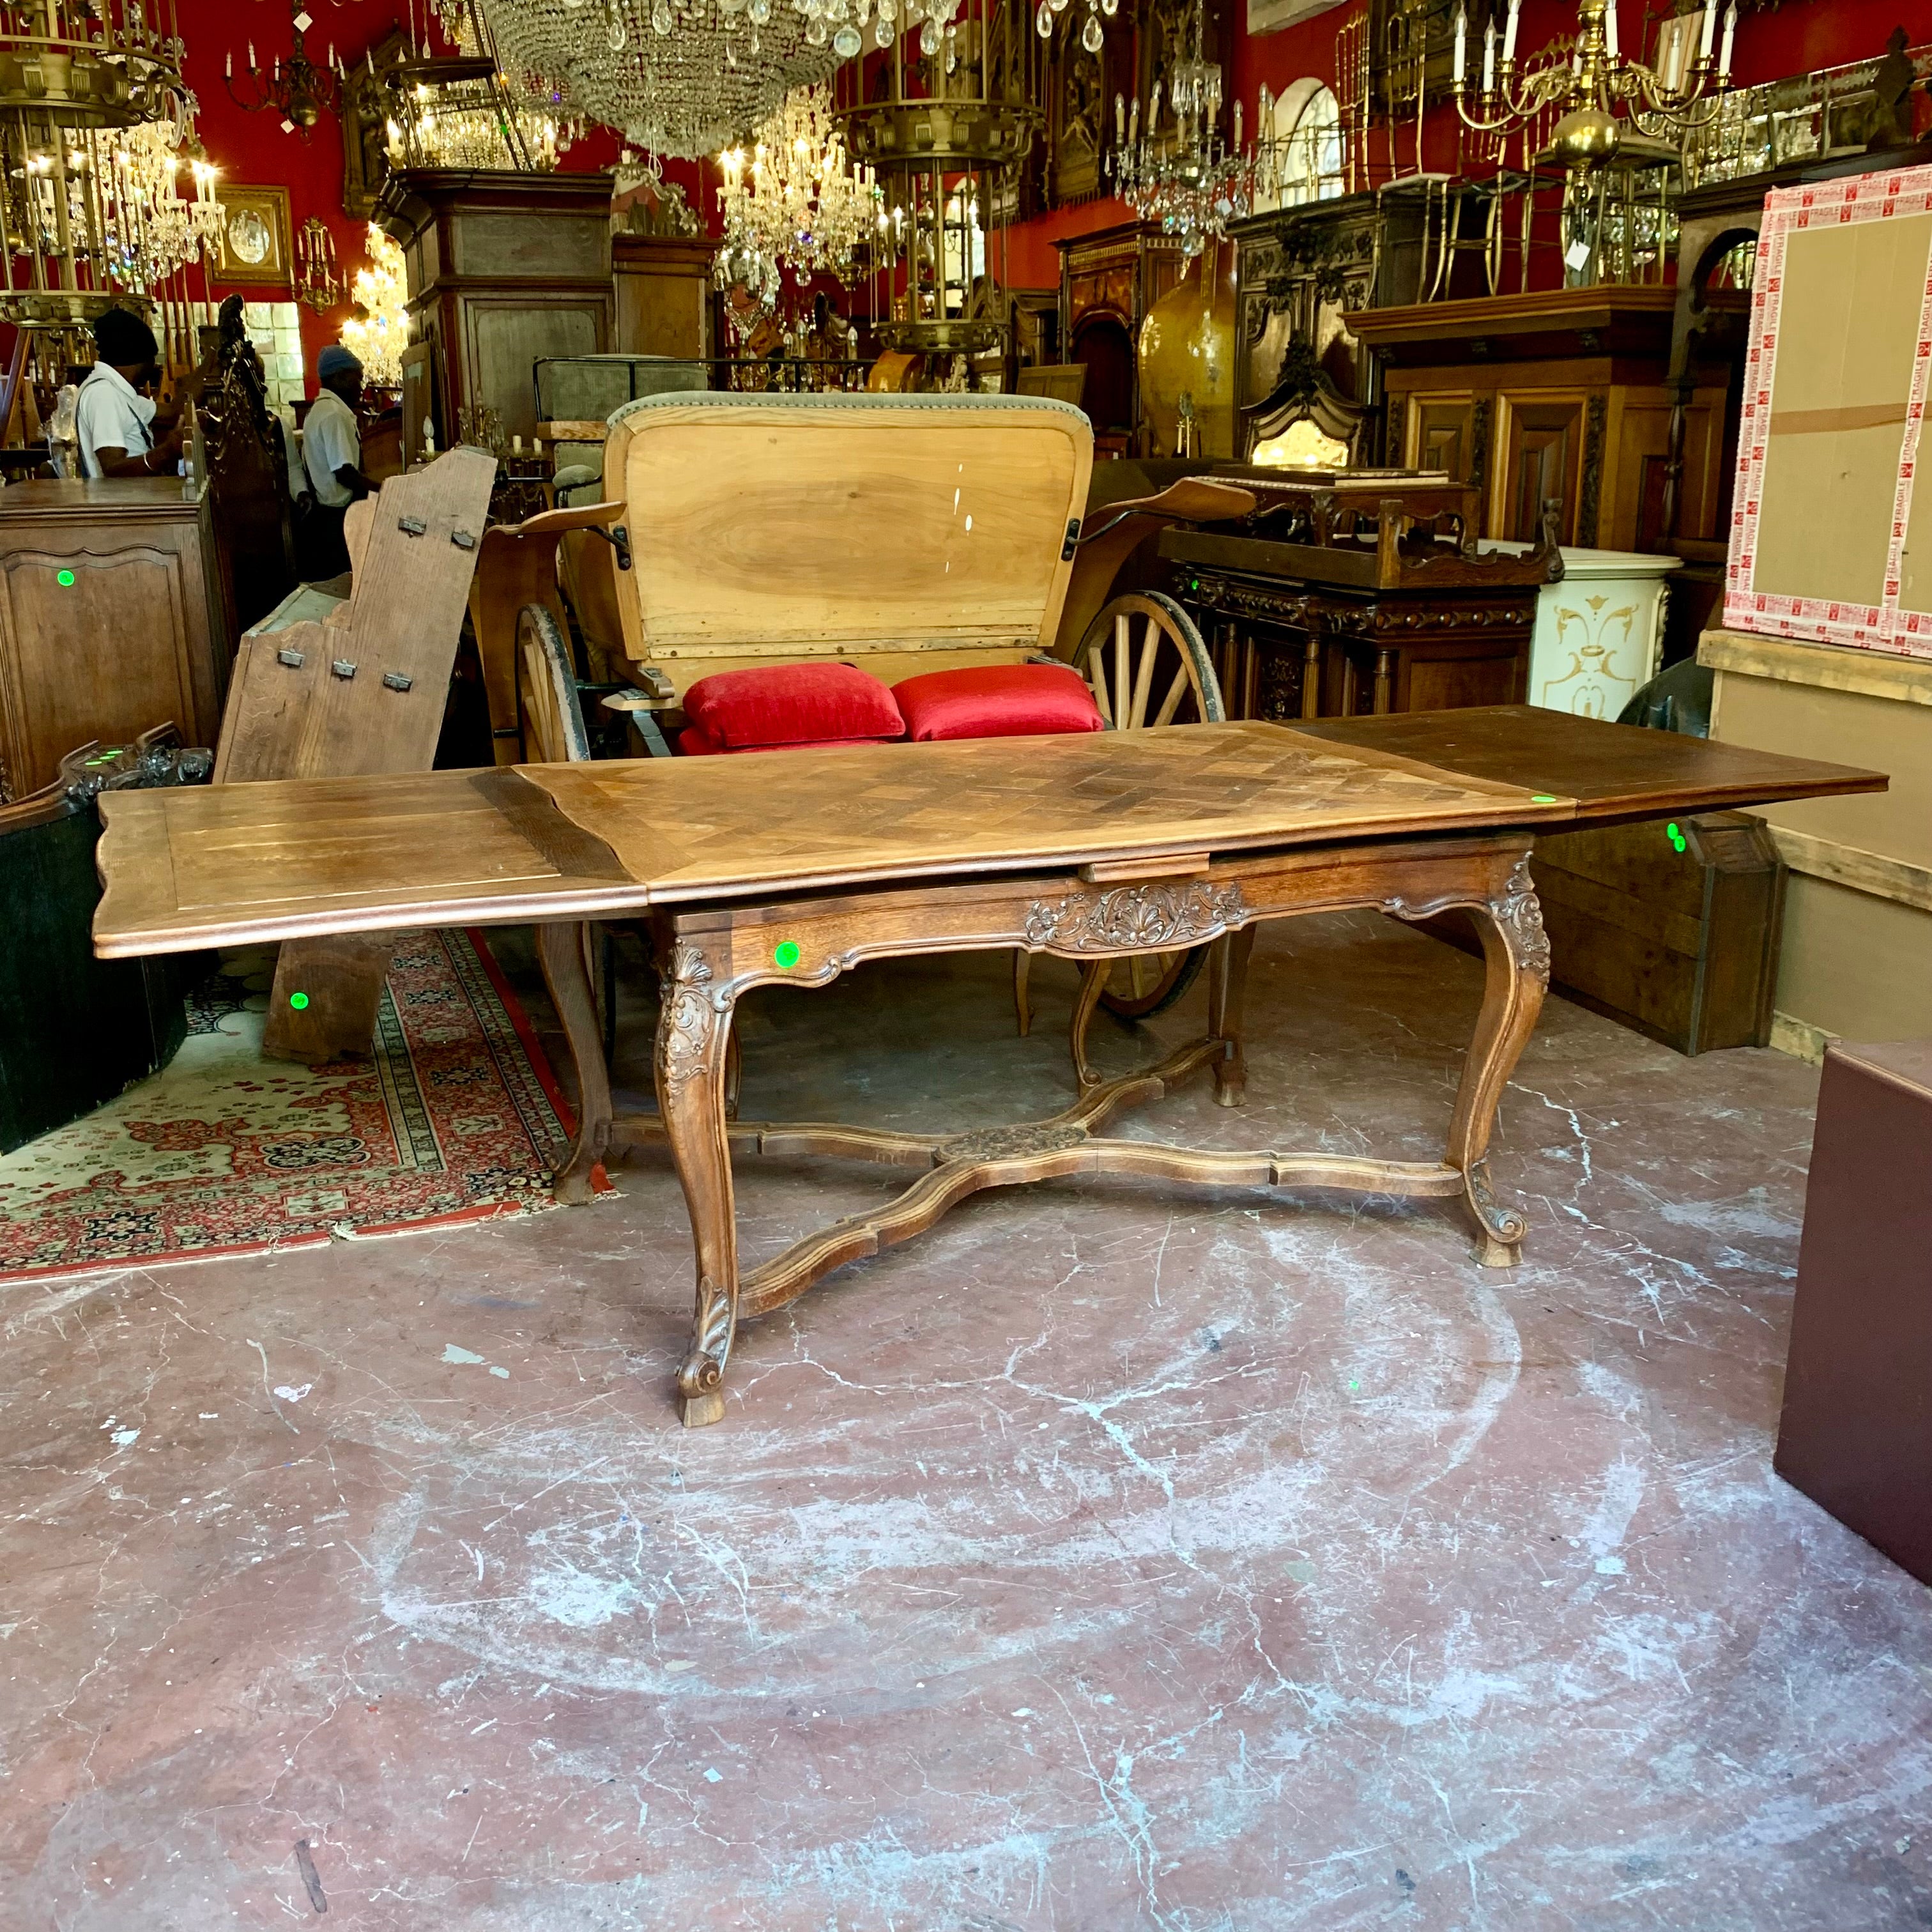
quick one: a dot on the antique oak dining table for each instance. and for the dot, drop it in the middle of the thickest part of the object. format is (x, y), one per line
(791, 868)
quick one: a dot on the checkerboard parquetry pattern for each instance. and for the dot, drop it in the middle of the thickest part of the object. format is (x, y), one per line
(721, 823)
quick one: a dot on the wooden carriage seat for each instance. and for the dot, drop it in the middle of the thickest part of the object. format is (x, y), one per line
(902, 534)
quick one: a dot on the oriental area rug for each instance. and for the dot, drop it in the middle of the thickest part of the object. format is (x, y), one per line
(457, 1116)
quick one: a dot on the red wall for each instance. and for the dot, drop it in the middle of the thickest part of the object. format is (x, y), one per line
(252, 149)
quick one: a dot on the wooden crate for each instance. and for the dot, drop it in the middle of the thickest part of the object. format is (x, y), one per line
(1671, 927)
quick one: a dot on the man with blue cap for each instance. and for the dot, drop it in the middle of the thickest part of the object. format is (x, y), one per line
(332, 460)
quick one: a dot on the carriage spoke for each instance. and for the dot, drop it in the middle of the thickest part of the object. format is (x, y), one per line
(1121, 626)
(1171, 704)
(1143, 676)
(1096, 677)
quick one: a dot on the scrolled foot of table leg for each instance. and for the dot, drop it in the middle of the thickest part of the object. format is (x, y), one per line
(1230, 1083)
(1500, 1229)
(701, 1378)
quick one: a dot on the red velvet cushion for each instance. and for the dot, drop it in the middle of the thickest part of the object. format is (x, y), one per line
(997, 701)
(692, 743)
(791, 704)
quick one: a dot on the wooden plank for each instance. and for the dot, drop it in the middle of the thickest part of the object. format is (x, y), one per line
(1897, 879)
(1829, 666)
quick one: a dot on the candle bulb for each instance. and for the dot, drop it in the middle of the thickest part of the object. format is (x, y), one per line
(1489, 58)
(1134, 125)
(1120, 118)
(1461, 62)
(229, 70)
(1237, 124)
(1509, 33)
(1730, 31)
(1610, 29)
(1708, 32)
(251, 50)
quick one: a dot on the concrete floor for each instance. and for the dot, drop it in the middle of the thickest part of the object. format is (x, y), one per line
(1106, 1560)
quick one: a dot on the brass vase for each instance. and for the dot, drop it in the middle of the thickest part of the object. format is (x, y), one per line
(1187, 349)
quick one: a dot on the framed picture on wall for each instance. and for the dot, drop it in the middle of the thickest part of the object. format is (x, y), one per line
(256, 245)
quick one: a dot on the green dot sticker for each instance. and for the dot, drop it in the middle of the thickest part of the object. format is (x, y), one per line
(299, 1001)
(1543, 798)
(65, 578)
(1676, 838)
(787, 952)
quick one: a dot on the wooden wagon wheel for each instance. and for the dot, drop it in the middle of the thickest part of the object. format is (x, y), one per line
(1147, 666)
(547, 707)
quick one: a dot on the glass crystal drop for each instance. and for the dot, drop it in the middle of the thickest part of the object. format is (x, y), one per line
(928, 38)
(661, 22)
(616, 33)
(846, 42)
(1110, 7)
(815, 33)
(1043, 21)
(760, 11)
(1090, 36)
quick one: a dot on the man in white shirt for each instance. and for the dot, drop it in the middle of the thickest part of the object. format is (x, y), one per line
(113, 422)
(332, 462)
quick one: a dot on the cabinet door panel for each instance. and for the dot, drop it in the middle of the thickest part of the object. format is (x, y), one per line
(1444, 436)
(1545, 442)
(104, 655)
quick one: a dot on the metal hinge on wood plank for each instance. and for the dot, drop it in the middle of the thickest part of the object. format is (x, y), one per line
(293, 659)
(343, 668)
(411, 526)
(395, 680)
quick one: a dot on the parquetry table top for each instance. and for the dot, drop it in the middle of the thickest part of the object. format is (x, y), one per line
(226, 864)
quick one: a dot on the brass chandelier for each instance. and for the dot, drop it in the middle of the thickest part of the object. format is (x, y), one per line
(97, 140)
(1589, 76)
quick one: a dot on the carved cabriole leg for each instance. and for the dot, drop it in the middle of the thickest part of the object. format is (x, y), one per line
(1517, 955)
(694, 1030)
(563, 951)
(1093, 983)
(1227, 991)
(1022, 995)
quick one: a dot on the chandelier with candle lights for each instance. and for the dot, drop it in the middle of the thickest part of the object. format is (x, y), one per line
(294, 87)
(1183, 175)
(376, 333)
(465, 110)
(793, 201)
(104, 190)
(1589, 77)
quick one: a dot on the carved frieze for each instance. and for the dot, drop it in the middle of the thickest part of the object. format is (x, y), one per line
(1135, 918)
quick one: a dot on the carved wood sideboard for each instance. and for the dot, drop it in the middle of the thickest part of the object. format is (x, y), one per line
(1359, 593)
(113, 619)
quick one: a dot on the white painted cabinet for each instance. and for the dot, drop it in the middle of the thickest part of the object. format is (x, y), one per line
(1600, 632)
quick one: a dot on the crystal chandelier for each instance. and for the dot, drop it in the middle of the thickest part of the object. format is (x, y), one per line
(687, 77)
(793, 202)
(678, 77)
(462, 110)
(379, 328)
(1588, 76)
(1187, 179)
(91, 172)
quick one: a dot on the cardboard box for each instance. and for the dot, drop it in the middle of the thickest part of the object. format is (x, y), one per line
(1829, 542)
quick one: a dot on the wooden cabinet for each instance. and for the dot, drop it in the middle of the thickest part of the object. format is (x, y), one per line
(664, 295)
(111, 619)
(503, 269)
(1561, 396)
